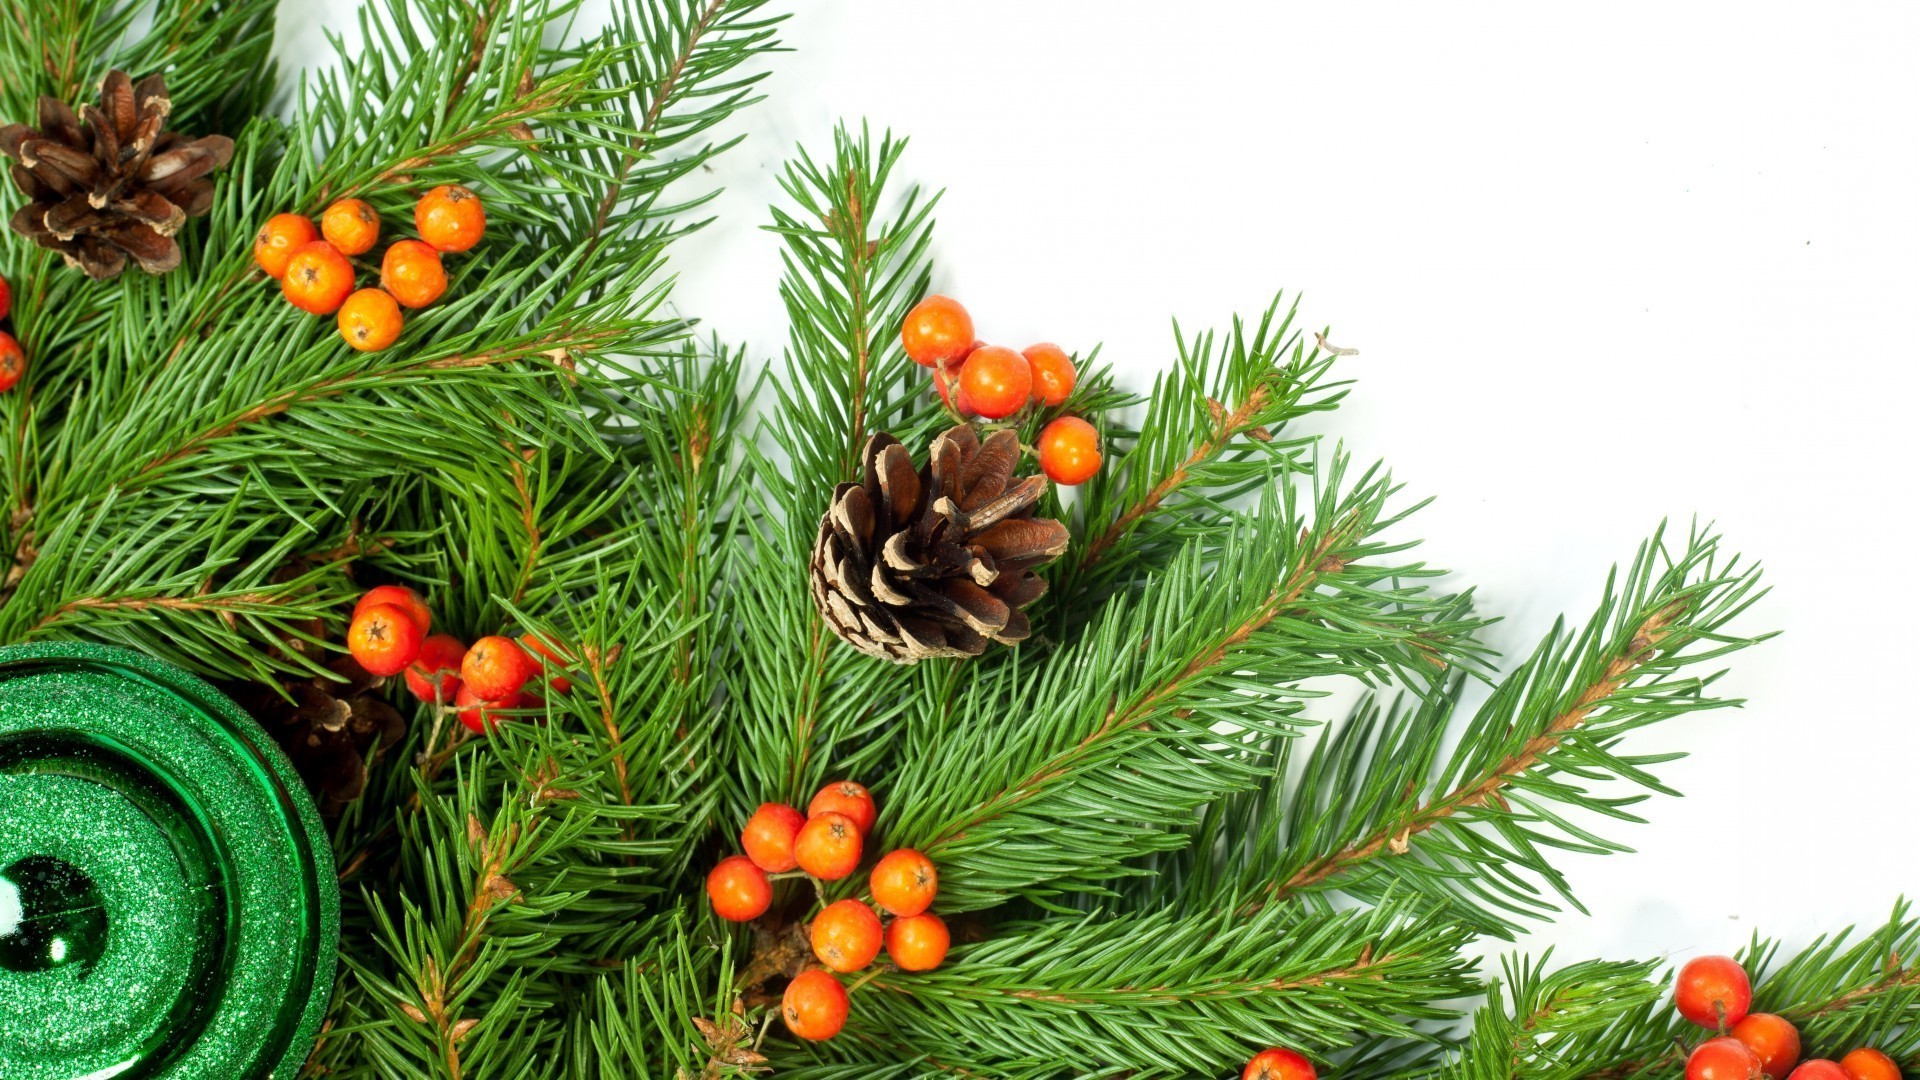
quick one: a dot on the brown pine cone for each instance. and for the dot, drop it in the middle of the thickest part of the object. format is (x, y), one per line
(936, 562)
(332, 731)
(113, 187)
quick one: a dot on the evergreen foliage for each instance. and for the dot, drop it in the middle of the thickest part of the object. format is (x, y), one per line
(1159, 849)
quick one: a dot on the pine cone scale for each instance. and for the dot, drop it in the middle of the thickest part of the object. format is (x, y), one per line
(915, 563)
(111, 183)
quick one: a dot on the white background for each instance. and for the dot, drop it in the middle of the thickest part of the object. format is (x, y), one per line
(1603, 266)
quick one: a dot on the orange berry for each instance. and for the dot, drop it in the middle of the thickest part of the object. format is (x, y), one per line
(13, 361)
(815, 1005)
(828, 846)
(278, 239)
(938, 330)
(548, 656)
(1278, 1064)
(1724, 1058)
(1811, 1069)
(434, 676)
(848, 798)
(318, 278)
(351, 225)
(477, 713)
(401, 597)
(384, 639)
(6, 297)
(1865, 1064)
(904, 882)
(846, 935)
(997, 381)
(917, 942)
(1069, 451)
(1712, 991)
(369, 320)
(1053, 374)
(450, 218)
(768, 837)
(411, 271)
(739, 890)
(1774, 1040)
(495, 667)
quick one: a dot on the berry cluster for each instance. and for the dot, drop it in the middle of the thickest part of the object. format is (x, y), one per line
(846, 935)
(388, 636)
(316, 273)
(1715, 993)
(1279, 1064)
(13, 359)
(994, 383)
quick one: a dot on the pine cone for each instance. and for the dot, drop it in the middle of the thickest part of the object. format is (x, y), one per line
(936, 562)
(115, 186)
(328, 730)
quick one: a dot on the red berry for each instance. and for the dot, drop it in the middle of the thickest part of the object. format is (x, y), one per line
(1053, 374)
(13, 361)
(739, 890)
(401, 597)
(997, 381)
(550, 657)
(938, 330)
(848, 798)
(1773, 1040)
(477, 714)
(496, 667)
(917, 942)
(6, 298)
(1818, 1069)
(1069, 451)
(1713, 991)
(1723, 1058)
(384, 639)
(814, 1006)
(904, 882)
(768, 837)
(846, 935)
(828, 846)
(435, 675)
(1278, 1064)
(1865, 1064)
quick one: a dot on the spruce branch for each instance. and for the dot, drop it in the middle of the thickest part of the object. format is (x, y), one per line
(1384, 804)
(1164, 702)
(1603, 1020)
(1214, 431)
(1166, 994)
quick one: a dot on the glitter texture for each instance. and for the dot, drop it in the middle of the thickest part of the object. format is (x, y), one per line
(168, 907)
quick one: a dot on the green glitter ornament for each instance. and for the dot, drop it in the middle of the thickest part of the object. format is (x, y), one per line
(168, 906)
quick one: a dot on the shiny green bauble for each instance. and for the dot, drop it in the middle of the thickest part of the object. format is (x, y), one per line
(168, 906)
